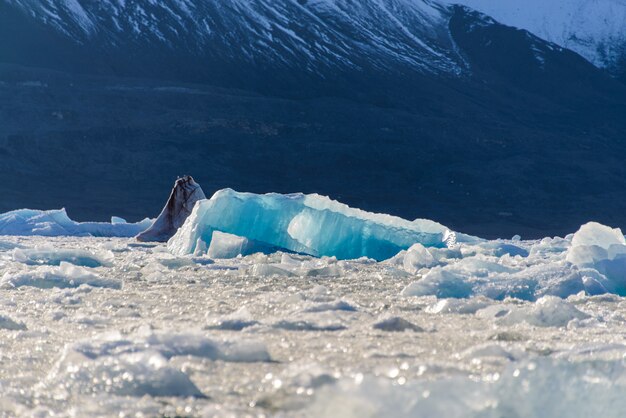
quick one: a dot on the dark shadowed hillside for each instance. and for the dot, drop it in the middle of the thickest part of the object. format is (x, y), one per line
(404, 107)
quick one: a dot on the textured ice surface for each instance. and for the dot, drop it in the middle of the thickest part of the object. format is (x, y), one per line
(52, 256)
(56, 223)
(66, 275)
(139, 364)
(483, 329)
(541, 388)
(309, 224)
(600, 251)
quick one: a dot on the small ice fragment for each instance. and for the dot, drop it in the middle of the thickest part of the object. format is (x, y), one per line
(599, 247)
(232, 324)
(225, 246)
(55, 256)
(129, 374)
(10, 324)
(304, 325)
(440, 283)
(460, 306)
(339, 305)
(418, 257)
(396, 324)
(593, 233)
(262, 270)
(548, 311)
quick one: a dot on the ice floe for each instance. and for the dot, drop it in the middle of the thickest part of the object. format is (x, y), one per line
(65, 275)
(139, 364)
(55, 256)
(50, 223)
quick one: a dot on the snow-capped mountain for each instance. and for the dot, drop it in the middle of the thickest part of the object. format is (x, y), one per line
(596, 29)
(305, 34)
(407, 107)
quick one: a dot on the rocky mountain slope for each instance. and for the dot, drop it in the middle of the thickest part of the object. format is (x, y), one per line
(407, 107)
(595, 29)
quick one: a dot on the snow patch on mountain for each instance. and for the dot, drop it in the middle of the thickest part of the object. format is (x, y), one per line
(595, 29)
(334, 33)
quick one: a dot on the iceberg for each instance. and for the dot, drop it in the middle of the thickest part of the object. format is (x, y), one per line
(54, 223)
(185, 194)
(308, 224)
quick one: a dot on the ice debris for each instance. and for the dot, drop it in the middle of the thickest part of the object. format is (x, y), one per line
(548, 311)
(542, 388)
(601, 248)
(225, 246)
(308, 224)
(440, 283)
(139, 364)
(185, 194)
(307, 325)
(63, 276)
(11, 324)
(55, 256)
(396, 324)
(52, 223)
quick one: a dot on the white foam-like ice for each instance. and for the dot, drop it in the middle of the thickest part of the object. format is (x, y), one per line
(65, 275)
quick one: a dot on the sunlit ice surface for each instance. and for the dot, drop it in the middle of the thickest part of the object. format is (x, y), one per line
(112, 327)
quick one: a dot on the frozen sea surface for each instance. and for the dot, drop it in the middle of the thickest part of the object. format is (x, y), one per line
(111, 327)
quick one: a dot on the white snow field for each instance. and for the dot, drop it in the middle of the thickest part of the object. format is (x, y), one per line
(108, 326)
(595, 29)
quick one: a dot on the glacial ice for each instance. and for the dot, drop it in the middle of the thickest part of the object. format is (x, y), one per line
(396, 324)
(547, 311)
(54, 223)
(140, 364)
(603, 249)
(418, 257)
(145, 373)
(55, 256)
(293, 335)
(63, 276)
(541, 388)
(171, 344)
(223, 245)
(309, 224)
(95, 326)
(440, 283)
(8, 323)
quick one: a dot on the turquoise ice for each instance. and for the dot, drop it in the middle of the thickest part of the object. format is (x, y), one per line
(309, 224)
